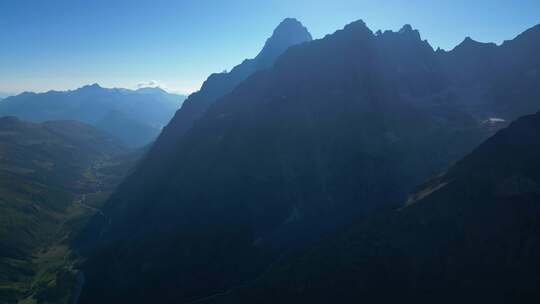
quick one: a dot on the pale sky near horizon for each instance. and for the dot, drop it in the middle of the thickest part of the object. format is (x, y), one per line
(65, 44)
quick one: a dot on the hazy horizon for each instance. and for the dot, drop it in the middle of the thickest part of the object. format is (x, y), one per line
(63, 45)
(150, 84)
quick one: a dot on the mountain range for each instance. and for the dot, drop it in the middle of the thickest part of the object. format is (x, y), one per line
(133, 116)
(287, 150)
(360, 167)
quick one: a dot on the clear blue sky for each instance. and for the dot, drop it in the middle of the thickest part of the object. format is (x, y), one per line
(63, 44)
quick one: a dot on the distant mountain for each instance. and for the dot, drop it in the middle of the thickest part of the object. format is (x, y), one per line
(130, 130)
(336, 129)
(149, 108)
(175, 99)
(472, 233)
(51, 176)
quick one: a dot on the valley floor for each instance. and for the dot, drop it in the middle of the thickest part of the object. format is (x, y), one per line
(49, 274)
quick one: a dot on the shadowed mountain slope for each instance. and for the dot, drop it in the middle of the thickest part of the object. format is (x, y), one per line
(288, 33)
(470, 235)
(338, 128)
(487, 80)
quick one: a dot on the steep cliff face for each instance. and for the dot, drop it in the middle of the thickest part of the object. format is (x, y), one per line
(471, 233)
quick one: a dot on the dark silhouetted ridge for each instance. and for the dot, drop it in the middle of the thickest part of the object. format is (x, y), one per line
(289, 32)
(408, 30)
(531, 35)
(469, 46)
(358, 27)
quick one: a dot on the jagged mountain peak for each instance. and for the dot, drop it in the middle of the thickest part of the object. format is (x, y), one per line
(408, 30)
(358, 26)
(289, 23)
(289, 32)
(288, 27)
(468, 43)
(406, 33)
